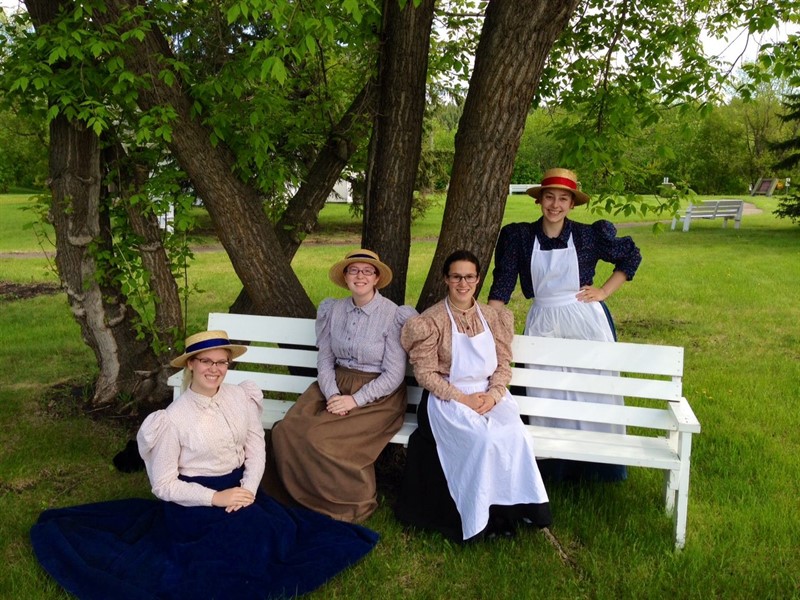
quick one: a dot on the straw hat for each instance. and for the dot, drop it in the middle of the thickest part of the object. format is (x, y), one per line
(562, 179)
(207, 340)
(361, 255)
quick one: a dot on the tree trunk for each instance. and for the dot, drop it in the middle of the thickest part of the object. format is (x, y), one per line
(235, 207)
(514, 44)
(83, 231)
(397, 137)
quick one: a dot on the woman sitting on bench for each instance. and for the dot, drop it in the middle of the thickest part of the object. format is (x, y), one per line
(210, 534)
(326, 446)
(470, 470)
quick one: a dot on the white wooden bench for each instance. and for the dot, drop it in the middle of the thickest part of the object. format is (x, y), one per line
(712, 209)
(659, 418)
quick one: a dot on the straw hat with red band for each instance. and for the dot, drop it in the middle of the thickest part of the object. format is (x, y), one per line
(207, 340)
(361, 255)
(562, 179)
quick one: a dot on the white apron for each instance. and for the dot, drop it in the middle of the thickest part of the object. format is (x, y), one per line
(556, 312)
(487, 459)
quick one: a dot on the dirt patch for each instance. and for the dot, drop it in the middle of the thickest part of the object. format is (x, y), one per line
(23, 291)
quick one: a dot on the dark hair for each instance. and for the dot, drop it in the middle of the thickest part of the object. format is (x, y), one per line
(457, 256)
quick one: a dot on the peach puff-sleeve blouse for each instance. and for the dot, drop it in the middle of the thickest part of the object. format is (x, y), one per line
(197, 435)
(428, 340)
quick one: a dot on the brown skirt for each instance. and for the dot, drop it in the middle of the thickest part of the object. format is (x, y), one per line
(326, 461)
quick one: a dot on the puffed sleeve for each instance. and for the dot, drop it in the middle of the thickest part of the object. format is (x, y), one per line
(326, 361)
(254, 447)
(159, 445)
(421, 339)
(622, 252)
(501, 322)
(506, 259)
(393, 365)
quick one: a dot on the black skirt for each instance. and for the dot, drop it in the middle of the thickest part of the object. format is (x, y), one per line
(424, 500)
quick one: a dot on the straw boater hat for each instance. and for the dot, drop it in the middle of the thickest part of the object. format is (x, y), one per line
(207, 340)
(336, 273)
(562, 179)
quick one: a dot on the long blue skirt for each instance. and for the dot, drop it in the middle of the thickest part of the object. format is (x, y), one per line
(137, 548)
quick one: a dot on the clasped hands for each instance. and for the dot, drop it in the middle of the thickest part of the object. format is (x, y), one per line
(233, 498)
(480, 402)
(341, 405)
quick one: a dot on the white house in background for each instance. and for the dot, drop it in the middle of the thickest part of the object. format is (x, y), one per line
(342, 193)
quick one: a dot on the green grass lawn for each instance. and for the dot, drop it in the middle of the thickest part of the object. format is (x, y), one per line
(728, 296)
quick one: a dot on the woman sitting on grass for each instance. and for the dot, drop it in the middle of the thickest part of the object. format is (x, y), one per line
(210, 534)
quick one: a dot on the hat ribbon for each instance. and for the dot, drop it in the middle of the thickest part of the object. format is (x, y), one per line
(369, 256)
(212, 343)
(559, 181)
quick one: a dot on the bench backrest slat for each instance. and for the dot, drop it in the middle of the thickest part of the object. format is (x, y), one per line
(286, 330)
(633, 416)
(646, 359)
(608, 384)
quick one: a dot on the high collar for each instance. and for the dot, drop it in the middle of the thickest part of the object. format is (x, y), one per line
(201, 400)
(369, 308)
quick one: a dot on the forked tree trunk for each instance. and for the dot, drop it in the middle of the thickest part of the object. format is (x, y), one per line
(396, 140)
(515, 42)
(301, 214)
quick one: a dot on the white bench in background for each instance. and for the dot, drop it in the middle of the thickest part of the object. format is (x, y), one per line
(519, 188)
(712, 209)
(662, 422)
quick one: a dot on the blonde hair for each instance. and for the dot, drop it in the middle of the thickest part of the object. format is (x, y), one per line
(189, 373)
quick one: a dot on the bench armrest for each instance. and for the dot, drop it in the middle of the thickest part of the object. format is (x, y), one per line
(684, 416)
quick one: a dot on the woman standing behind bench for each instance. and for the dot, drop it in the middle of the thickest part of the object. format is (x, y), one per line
(210, 535)
(555, 259)
(470, 468)
(326, 446)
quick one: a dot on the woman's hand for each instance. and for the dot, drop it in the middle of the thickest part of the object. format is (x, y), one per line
(591, 294)
(341, 405)
(487, 403)
(480, 402)
(233, 498)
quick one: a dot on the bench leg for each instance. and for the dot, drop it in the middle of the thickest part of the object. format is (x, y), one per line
(677, 490)
(674, 222)
(686, 222)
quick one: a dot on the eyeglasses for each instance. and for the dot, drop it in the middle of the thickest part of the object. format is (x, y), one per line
(365, 271)
(207, 362)
(453, 278)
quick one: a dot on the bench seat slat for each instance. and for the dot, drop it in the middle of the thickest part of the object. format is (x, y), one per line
(631, 450)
